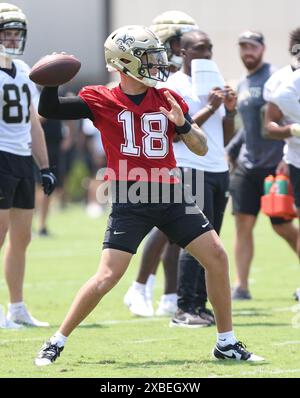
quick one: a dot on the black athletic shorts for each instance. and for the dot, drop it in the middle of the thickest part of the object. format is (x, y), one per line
(129, 223)
(16, 181)
(246, 189)
(295, 181)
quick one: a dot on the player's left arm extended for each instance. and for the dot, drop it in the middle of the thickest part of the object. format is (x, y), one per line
(39, 148)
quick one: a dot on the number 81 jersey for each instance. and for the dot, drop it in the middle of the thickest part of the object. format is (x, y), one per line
(16, 94)
(137, 139)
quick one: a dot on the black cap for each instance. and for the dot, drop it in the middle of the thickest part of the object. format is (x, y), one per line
(251, 37)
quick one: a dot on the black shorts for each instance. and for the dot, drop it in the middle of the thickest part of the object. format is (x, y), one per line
(295, 181)
(129, 223)
(246, 189)
(16, 181)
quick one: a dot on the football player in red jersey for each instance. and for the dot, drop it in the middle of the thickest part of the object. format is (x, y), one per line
(137, 124)
(169, 26)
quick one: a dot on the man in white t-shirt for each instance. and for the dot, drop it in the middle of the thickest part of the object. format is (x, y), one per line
(215, 114)
(278, 124)
(21, 136)
(283, 122)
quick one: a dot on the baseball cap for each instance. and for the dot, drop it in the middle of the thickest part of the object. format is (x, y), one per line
(252, 37)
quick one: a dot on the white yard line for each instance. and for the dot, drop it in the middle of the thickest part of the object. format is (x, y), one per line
(127, 321)
(150, 340)
(9, 341)
(287, 343)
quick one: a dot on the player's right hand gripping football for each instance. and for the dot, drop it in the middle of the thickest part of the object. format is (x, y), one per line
(48, 181)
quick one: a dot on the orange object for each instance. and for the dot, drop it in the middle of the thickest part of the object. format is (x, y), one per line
(279, 201)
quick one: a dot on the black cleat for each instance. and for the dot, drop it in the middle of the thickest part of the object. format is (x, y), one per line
(235, 351)
(48, 354)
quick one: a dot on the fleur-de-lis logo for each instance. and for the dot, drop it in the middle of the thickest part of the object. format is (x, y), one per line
(124, 41)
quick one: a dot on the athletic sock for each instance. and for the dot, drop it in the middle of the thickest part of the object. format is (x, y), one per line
(59, 339)
(226, 338)
(14, 307)
(150, 286)
(169, 297)
(140, 287)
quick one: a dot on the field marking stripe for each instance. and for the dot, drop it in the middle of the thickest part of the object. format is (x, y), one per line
(287, 343)
(127, 321)
(8, 341)
(150, 340)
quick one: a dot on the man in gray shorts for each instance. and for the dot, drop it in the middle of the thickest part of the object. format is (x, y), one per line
(255, 157)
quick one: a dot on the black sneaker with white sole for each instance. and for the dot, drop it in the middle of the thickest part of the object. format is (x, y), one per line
(236, 352)
(48, 354)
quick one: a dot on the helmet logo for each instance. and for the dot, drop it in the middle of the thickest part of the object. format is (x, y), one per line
(125, 41)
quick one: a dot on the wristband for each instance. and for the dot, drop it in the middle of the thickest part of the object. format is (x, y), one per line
(210, 108)
(186, 128)
(230, 114)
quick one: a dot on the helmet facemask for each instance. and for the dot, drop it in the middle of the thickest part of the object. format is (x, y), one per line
(154, 65)
(12, 20)
(5, 36)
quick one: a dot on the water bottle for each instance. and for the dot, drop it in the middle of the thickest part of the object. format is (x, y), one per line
(268, 182)
(282, 184)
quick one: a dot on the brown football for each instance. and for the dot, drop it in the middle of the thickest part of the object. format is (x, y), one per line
(54, 70)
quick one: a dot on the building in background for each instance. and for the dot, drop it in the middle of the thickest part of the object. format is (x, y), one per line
(81, 26)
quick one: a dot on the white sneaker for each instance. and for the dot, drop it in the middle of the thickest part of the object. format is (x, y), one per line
(5, 323)
(149, 289)
(166, 307)
(137, 303)
(22, 316)
(128, 297)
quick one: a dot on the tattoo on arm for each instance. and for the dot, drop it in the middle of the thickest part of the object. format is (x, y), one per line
(195, 140)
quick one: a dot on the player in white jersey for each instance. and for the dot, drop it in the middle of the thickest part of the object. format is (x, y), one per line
(282, 121)
(21, 136)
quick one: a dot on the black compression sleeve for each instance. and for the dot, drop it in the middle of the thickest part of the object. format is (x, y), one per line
(62, 108)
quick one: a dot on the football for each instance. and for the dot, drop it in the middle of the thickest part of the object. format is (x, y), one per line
(54, 70)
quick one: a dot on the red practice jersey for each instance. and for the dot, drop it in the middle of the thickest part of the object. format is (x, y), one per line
(137, 139)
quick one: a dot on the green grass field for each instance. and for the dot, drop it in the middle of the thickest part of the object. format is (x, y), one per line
(112, 343)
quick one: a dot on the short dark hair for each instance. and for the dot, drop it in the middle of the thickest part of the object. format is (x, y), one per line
(188, 37)
(294, 39)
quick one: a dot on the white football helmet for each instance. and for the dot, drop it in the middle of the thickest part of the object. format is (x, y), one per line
(136, 51)
(171, 25)
(12, 18)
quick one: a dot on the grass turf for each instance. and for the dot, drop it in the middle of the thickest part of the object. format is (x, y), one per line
(112, 343)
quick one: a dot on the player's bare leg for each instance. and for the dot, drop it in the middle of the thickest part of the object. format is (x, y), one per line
(168, 302)
(4, 221)
(14, 267)
(288, 232)
(243, 248)
(140, 294)
(152, 251)
(112, 266)
(209, 252)
(14, 258)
